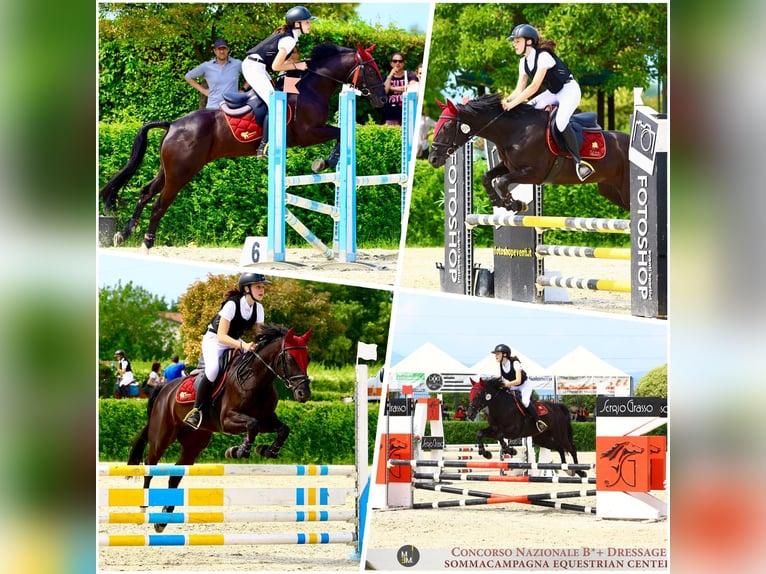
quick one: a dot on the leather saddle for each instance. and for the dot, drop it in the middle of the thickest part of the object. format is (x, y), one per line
(590, 135)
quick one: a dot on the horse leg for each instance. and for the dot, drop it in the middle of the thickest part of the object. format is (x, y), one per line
(147, 192)
(316, 135)
(273, 424)
(488, 180)
(480, 434)
(504, 184)
(173, 184)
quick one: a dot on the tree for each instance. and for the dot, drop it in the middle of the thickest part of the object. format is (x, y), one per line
(339, 315)
(625, 45)
(129, 319)
(654, 383)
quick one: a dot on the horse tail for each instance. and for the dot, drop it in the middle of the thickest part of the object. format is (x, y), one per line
(136, 455)
(109, 192)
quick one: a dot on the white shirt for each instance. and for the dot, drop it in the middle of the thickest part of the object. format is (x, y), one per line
(544, 62)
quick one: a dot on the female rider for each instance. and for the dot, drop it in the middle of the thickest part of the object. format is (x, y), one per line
(240, 310)
(274, 53)
(515, 378)
(546, 70)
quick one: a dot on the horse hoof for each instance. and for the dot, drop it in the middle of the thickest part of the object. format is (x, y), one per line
(159, 527)
(144, 249)
(230, 452)
(265, 451)
(486, 454)
(118, 239)
(318, 165)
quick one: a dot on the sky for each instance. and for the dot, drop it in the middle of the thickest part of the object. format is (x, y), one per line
(404, 15)
(158, 275)
(468, 328)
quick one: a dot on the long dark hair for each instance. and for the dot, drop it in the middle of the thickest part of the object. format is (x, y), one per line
(546, 44)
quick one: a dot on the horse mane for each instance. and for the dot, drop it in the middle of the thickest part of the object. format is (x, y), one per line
(324, 51)
(269, 333)
(490, 104)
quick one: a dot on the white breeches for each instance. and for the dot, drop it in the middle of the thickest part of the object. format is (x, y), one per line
(211, 353)
(567, 100)
(258, 77)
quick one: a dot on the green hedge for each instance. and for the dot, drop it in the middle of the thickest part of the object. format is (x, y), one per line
(320, 433)
(227, 200)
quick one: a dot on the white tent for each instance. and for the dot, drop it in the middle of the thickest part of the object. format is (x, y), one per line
(580, 372)
(429, 369)
(542, 379)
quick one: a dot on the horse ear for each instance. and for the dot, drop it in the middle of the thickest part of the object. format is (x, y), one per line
(451, 107)
(441, 105)
(371, 48)
(290, 333)
(307, 335)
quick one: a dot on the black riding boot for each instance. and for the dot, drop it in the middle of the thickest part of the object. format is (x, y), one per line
(532, 412)
(204, 389)
(263, 147)
(583, 169)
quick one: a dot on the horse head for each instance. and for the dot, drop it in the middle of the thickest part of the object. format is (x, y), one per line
(449, 134)
(477, 399)
(292, 363)
(371, 83)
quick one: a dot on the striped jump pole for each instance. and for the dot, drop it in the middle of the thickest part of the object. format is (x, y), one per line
(547, 222)
(224, 496)
(438, 477)
(549, 500)
(226, 470)
(578, 283)
(224, 539)
(491, 464)
(223, 517)
(586, 252)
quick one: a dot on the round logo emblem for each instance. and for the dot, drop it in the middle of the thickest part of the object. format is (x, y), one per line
(434, 381)
(407, 556)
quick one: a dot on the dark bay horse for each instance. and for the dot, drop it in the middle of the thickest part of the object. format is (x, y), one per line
(520, 137)
(204, 135)
(507, 420)
(246, 404)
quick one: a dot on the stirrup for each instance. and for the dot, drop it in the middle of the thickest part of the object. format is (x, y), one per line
(194, 418)
(263, 150)
(584, 170)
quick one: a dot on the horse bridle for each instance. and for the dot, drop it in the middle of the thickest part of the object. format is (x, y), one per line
(452, 146)
(353, 76)
(280, 360)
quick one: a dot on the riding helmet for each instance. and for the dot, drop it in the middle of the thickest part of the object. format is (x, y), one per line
(502, 349)
(119, 353)
(298, 13)
(525, 31)
(250, 278)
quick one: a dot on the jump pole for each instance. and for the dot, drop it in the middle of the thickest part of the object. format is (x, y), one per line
(345, 179)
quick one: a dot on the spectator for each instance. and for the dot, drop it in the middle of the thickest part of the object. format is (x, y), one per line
(396, 84)
(127, 386)
(221, 75)
(174, 370)
(460, 413)
(153, 379)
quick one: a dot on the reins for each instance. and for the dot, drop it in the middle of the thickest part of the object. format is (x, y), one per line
(351, 78)
(247, 358)
(452, 147)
